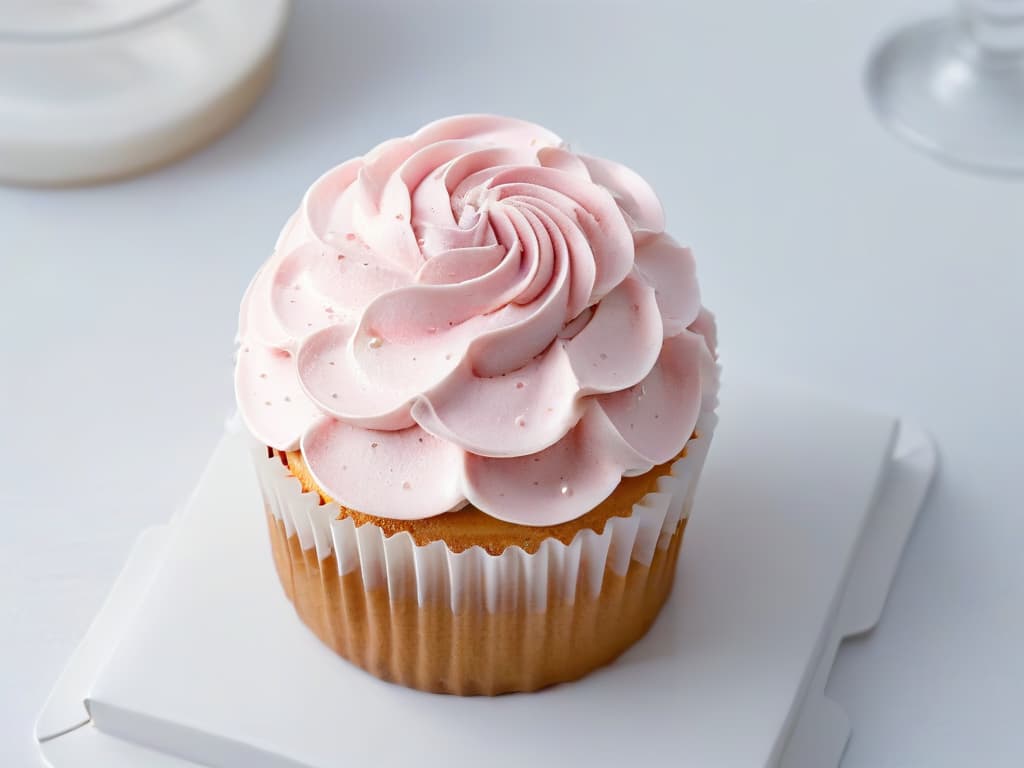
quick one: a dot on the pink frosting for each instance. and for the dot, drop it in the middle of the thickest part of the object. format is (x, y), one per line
(475, 313)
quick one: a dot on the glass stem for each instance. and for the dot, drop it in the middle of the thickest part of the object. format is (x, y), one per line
(995, 27)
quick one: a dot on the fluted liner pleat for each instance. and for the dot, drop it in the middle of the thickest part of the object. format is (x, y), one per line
(471, 622)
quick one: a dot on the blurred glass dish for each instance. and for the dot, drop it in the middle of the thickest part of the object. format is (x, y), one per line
(955, 86)
(98, 89)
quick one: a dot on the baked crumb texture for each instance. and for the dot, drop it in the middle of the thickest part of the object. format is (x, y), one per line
(468, 649)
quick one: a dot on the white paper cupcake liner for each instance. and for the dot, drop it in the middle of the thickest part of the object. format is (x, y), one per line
(474, 578)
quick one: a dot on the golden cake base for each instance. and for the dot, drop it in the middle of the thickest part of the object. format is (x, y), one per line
(472, 652)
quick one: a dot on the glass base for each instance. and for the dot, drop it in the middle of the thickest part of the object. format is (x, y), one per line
(934, 87)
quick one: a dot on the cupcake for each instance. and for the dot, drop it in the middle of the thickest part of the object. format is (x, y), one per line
(480, 387)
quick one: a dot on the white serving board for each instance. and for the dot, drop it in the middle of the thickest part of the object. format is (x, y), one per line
(804, 508)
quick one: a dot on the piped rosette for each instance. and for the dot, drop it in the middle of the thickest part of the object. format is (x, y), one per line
(476, 314)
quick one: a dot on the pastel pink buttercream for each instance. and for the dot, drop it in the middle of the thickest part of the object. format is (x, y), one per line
(476, 313)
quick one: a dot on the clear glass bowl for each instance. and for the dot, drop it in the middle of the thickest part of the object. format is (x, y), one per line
(97, 89)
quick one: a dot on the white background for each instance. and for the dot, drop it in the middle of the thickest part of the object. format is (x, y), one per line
(831, 253)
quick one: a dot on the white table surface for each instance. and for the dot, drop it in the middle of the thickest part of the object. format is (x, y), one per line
(832, 254)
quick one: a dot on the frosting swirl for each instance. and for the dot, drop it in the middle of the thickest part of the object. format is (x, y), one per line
(475, 313)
